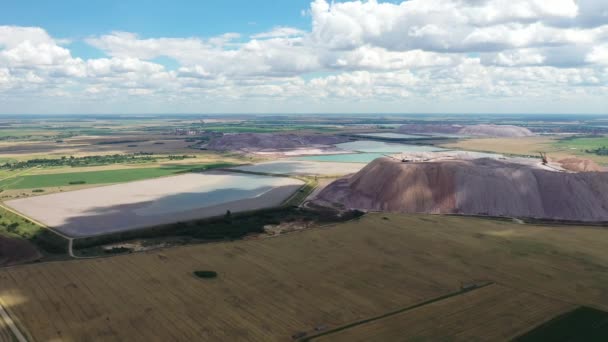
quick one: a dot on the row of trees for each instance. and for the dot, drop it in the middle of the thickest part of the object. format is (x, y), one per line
(80, 161)
(601, 151)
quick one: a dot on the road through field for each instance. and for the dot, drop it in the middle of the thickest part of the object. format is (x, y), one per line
(70, 239)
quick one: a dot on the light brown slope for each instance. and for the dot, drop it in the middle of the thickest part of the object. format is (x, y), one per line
(475, 187)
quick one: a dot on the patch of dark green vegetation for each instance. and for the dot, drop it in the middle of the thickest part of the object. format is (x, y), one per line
(77, 182)
(15, 226)
(206, 274)
(582, 324)
(180, 157)
(38, 190)
(81, 161)
(230, 226)
(117, 250)
(601, 151)
(49, 242)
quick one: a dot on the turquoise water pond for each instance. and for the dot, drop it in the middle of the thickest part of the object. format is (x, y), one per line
(382, 147)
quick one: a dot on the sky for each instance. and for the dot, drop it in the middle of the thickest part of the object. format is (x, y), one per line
(297, 56)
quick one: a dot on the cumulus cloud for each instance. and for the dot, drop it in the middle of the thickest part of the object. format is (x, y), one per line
(279, 32)
(440, 50)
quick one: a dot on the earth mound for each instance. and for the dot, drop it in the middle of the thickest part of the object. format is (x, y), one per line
(579, 165)
(482, 130)
(430, 128)
(506, 131)
(472, 187)
(269, 142)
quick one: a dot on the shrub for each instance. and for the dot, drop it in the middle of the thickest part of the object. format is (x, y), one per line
(205, 274)
(77, 182)
(12, 228)
(38, 190)
(117, 250)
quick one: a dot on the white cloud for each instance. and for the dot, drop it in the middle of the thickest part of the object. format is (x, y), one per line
(523, 57)
(279, 32)
(440, 51)
(598, 55)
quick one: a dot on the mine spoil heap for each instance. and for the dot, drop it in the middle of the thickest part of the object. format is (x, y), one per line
(482, 130)
(472, 187)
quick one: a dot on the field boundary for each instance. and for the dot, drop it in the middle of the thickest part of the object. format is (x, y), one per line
(398, 311)
(43, 226)
(11, 324)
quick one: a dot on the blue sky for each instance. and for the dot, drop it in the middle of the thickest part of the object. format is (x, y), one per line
(77, 19)
(177, 18)
(137, 56)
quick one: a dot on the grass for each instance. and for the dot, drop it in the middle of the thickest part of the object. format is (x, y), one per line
(13, 225)
(19, 133)
(581, 324)
(270, 289)
(101, 177)
(583, 144)
(17, 226)
(530, 146)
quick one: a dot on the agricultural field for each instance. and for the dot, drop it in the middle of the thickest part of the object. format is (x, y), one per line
(584, 143)
(35, 181)
(122, 207)
(554, 146)
(461, 317)
(271, 289)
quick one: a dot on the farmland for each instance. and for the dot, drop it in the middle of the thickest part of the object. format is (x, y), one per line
(584, 143)
(461, 317)
(555, 147)
(100, 177)
(270, 289)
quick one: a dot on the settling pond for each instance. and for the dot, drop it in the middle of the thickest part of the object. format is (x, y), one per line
(127, 206)
(366, 151)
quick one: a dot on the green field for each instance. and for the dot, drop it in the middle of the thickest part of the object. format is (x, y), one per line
(13, 225)
(582, 324)
(23, 230)
(100, 177)
(583, 143)
(25, 133)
